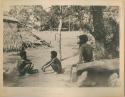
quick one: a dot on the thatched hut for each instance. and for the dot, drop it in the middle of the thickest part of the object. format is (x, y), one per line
(12, 40)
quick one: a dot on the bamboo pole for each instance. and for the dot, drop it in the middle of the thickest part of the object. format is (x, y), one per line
(59, 30)
(69, 24)
(60, 26)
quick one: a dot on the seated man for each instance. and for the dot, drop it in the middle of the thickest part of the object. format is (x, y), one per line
(86, 50)
(25, 66)
(86, 55)
(54, 63)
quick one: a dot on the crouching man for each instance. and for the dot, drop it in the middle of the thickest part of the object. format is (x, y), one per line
(54, 63)
(25, 66)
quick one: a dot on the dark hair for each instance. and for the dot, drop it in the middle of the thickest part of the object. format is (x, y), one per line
(83, 39)
(54, 53)
(23, 54)
(23, 48)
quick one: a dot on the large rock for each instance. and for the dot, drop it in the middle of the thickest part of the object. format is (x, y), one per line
(114, 80)
(82, 78)
(100, 65)
(98, 73)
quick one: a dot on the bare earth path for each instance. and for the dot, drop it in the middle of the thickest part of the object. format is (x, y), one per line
(40, 55)
(41, 79)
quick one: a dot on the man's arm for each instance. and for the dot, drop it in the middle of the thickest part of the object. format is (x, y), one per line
(50, 62)
(81, 55)
(46, 64)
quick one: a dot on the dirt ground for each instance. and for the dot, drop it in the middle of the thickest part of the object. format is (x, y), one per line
(40, 55)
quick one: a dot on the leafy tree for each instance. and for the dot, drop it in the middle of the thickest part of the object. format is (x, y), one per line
(106, 30)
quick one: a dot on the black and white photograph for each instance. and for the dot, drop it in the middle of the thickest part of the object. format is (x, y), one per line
(61, 46)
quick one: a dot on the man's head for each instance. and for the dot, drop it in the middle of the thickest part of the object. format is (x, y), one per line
(23, 49)
(23, 53)
(83, 39)
(53, 54)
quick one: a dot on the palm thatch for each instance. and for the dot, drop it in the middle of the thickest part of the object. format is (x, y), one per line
(31, 40)
(12, 40)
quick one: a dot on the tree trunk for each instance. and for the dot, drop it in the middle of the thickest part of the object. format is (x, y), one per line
(98, 24)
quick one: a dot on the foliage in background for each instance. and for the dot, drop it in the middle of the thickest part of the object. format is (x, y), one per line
(103, 21)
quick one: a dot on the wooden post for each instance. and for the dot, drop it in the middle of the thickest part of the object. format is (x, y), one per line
(59, 30)
(60, 39)
(69, 23)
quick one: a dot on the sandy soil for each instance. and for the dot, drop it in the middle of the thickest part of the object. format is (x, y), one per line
(41, 55)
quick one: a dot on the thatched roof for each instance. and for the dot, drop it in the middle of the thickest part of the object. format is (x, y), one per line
(10, 19)
(31, 40)
(13, 39)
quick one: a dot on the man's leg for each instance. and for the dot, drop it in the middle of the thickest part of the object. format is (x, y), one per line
(55, 68)
(22, 72)
(59, 69)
